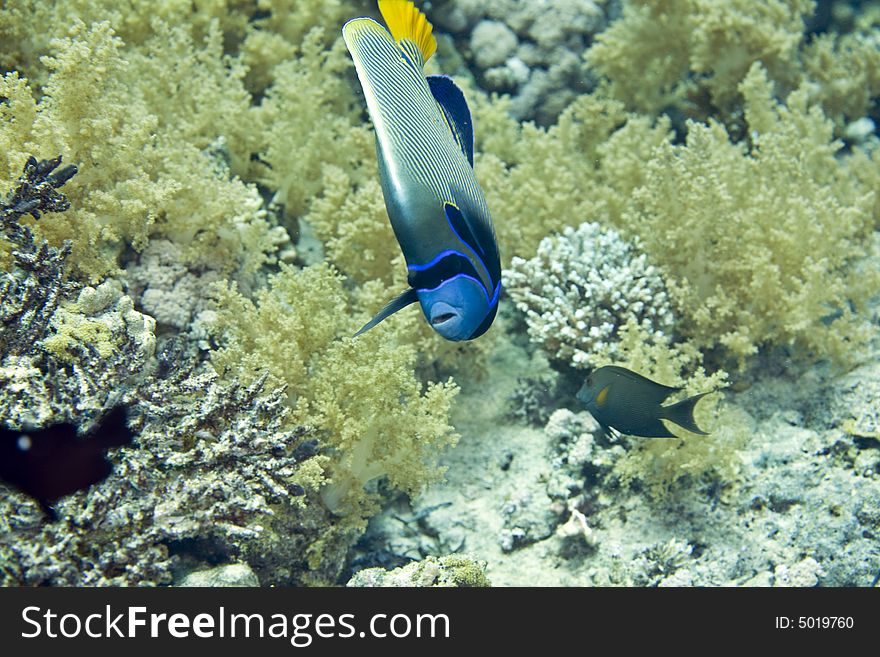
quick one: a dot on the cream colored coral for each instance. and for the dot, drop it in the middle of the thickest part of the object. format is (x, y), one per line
(373, 415)
(761, 240)
(144, 168)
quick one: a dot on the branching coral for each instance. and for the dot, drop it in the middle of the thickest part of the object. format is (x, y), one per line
(764, 240)
(360, 395)
(143, 172)
(214, 467)
(667, 52)
(582, 286)
(31, 292)
(761, 242)
(354, 226)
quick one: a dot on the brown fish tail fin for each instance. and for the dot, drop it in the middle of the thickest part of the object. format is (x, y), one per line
(682, 413)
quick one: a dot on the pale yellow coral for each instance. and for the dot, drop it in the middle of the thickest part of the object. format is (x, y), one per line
(102, 320)
(280, 25)
(305, 131)
(585, 167)
(760, 242)
(359, 394)
(27, 27)
(651, 53)
(644, 53)
(354, 227)
(143, 166)
(844, 73)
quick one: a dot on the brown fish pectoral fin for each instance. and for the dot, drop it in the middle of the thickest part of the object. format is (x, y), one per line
(611, 434)
(682, 414)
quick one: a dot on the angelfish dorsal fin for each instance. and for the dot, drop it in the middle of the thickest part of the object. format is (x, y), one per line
(455, 108)
(400, 301)
(407, 24)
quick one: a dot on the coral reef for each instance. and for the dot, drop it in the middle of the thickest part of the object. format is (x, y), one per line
(162, 205)
(726, 153)
(213, 475)
(581, 287)
(449, 571)
(360, 395)
(800, 510)
(532, 51)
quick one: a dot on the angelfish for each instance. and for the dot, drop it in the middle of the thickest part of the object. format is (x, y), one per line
(631, 403)
(425, 149)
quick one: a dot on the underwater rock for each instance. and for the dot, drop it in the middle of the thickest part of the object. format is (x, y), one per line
(534, 398)
(804, 573)
(167, 289)
(492, 43)
(234, 574)
(853, 403)
(527, 518)
(533, 51)
(803, 492)
(448, 571)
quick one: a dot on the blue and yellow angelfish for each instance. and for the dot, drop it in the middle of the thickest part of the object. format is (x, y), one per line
(425, 147)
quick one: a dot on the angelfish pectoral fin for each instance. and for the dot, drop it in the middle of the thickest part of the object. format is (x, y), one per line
(400, 301)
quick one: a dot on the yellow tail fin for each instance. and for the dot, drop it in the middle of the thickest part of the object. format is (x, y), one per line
(405, 21)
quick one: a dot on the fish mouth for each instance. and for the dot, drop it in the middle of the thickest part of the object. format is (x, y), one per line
(441, 313)
(442, 318)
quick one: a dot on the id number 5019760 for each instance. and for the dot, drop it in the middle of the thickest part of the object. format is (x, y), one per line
(814, 622)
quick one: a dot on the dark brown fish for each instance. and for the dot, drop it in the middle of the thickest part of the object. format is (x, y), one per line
(631, 403)
(52, 462)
